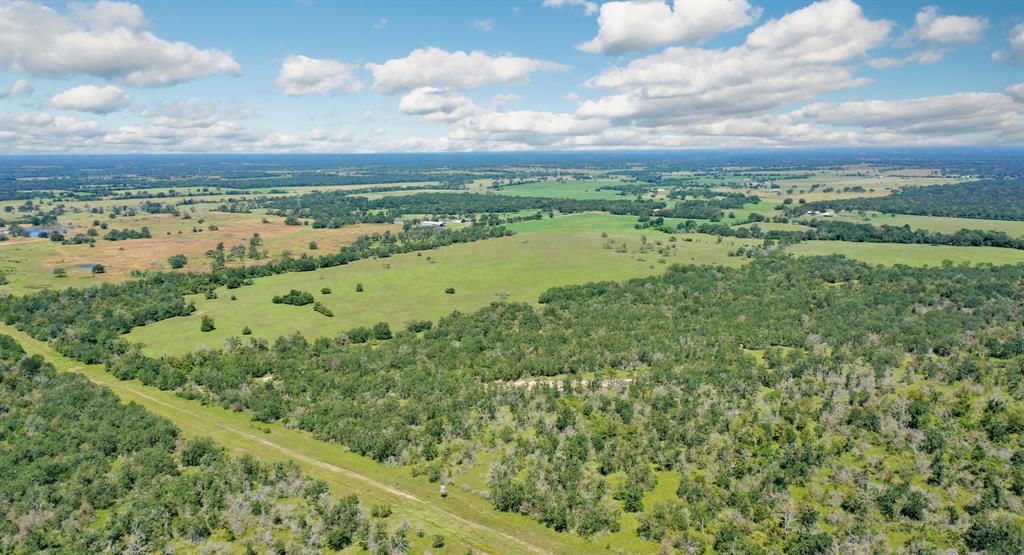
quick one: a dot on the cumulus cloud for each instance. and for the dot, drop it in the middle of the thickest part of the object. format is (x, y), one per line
(786, 60)
(947, 30)
(954, 114)
(589, 8)
(106, 39)
(301, 75)
(21, 87)
(434, 67)
(1016, 52)
(90, 98)
(635, 26)
(437, 104)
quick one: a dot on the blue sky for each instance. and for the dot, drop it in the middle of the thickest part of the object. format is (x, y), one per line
(558, 75)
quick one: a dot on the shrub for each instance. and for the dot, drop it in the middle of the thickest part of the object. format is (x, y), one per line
(450, 290)
(177, 261)
(207, 324)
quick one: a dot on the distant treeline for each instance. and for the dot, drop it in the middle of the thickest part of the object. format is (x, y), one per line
(335, 209)
(996, 199)
(824, 230)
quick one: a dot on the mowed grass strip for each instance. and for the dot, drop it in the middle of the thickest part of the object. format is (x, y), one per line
(466, 520)
(911, 255)
(543, 254)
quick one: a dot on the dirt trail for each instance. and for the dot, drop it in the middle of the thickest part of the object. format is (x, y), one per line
(333, 468)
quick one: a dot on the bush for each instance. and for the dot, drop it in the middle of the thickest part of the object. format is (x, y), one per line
(437, 542)
(381, 330)
(246, 331)
(417, 326)
(199, 451)
(325, 290)
(207, 324)
(99, 269)
(359, 288)
(450, 290)
(319, 307)
(177, 261)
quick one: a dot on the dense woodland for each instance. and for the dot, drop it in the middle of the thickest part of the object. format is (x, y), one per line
(83, 473)
(837, 403)
(997, 199)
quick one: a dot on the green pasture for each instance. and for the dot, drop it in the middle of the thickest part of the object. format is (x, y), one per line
(543, 254)
(909, 254)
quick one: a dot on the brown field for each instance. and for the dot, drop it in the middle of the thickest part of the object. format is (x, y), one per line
(175, 236)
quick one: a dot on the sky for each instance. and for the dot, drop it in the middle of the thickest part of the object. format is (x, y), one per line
(548, 75)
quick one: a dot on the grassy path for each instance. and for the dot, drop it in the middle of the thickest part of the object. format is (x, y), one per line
(465, 519)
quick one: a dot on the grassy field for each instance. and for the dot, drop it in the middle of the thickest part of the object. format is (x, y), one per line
(911, 255)
(567, 189)
(941, 224)
(466, 520)
(543, 254)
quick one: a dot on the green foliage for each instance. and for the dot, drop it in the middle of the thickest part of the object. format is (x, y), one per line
(177, 261)
(294, 298)
(206, 324)
(84, 473)
(786, 355)
(322, 309)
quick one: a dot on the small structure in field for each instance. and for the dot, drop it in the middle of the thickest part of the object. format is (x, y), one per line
(444, 490)
(431, 223)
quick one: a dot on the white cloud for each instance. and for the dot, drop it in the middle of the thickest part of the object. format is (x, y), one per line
(192, 113)
(955, 114)
(301, 75)
(527, 127)
(1016, 53)
(21, 87)
(924, 57)
(634, 26)
(1016, 91)
(90, 98)
(589, 8)
(791, 59)
(381, 23)
(107, 39)
(434, 67)
(437, 104)
(947, 30)
(485, 25)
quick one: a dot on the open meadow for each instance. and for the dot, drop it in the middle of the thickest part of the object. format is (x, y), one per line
(909, 254)
(399, 289)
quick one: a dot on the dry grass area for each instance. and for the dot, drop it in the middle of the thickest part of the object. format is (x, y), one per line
(173, 235)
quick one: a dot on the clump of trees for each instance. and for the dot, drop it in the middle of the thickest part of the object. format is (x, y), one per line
(294, 298)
